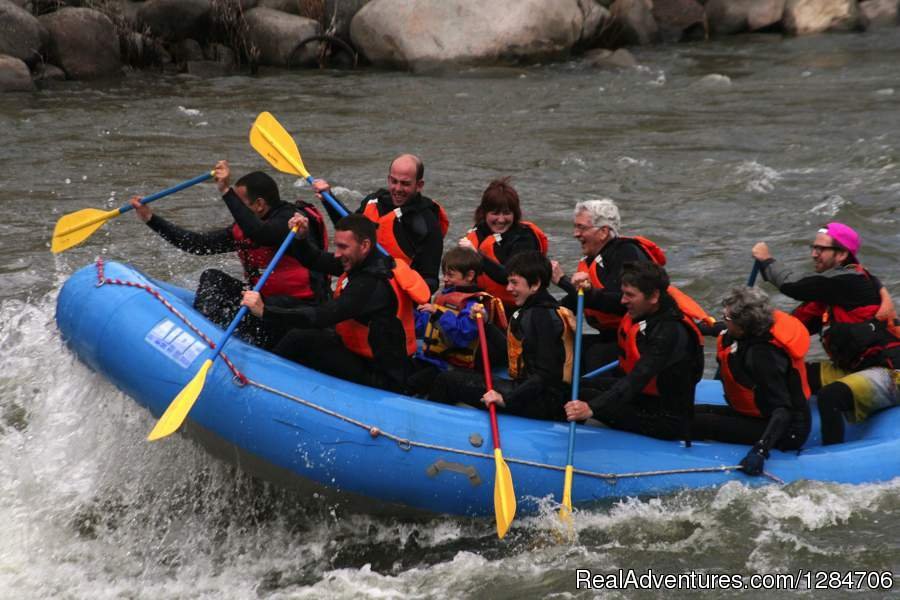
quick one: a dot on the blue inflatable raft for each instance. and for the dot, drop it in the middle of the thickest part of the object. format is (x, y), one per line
(380, 450)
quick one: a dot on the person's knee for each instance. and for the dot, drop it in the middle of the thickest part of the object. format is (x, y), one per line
(835, 397)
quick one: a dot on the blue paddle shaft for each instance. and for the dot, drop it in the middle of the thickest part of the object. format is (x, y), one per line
(601, 370)
(259, 284)
(576, 369)
(338, 207)
(753, 273)
(177, 188)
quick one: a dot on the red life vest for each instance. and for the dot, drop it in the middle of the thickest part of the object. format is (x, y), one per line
(604, 320)
(410, 290)
(629, 354)
(436, 343)
(789, 334)
(289, 278)
(386, 236)
(487, 247)
(854, 337)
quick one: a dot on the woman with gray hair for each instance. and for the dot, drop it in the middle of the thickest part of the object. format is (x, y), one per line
(761, 365)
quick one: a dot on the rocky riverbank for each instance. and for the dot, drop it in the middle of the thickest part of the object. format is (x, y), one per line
(52, 40)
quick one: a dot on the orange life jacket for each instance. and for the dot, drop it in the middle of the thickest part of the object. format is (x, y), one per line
(289, 278)
(487, 247)
(435, 341)
(386, 222)
(604, 320)
(514, 346)
(789, 334)
(410, 290)
(629, 354)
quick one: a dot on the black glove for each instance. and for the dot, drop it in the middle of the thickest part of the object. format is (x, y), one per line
(752, 464)
(711, 329)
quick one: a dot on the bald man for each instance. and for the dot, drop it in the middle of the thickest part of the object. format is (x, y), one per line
(411, 226)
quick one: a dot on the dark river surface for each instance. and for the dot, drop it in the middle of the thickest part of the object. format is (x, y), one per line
(707, 148)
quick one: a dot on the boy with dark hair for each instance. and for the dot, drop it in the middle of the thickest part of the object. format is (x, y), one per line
(373, 335)
(539, 348)
(661, 356)
(260, 226)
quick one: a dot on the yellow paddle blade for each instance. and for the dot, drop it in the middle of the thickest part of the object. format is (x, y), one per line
(276, 145)
(504, 495)
(565, 511)
(180, 407)
(74, 228)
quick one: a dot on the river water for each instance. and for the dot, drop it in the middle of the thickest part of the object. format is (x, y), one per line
(707, 148)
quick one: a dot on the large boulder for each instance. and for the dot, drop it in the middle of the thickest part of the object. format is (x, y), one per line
(84, 42)
(276, 37)
(631, 23)
(14, 75)
(726, 17)
(175, 20)
(880, 13)
(431, 32)
(21, 34)
(679, 20)
(291, 7)
(815, 16)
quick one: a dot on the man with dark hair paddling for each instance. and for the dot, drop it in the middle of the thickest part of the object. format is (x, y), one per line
(539, 347)
(366, 333)
(411, 226)
(853, 313)
(661, 356)
(260, 225)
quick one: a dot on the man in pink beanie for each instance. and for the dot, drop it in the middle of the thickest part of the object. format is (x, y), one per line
(855, 318)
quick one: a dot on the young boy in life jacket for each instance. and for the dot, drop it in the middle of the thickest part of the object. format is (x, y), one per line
(447, 324)
(539, 347)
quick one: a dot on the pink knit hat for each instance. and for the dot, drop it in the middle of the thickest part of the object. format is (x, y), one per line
(843, 235)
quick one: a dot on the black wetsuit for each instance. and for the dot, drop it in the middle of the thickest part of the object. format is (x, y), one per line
(367, 297)
(669, 352)
(784, 420)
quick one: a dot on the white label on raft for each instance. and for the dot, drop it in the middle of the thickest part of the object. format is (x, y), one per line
(176, 343)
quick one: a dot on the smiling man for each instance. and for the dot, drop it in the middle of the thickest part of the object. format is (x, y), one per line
(366, 333)
(661, 356)
(411, 226)
(854, 316)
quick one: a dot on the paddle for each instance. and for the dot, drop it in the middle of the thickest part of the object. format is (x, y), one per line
(504, 495)
(74, 228)
(178, 410)
(565, 511)
(600, 370)
(753, 273)
(275, 144)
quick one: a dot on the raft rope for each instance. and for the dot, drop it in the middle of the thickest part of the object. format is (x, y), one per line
(404, 443)
(103, 280)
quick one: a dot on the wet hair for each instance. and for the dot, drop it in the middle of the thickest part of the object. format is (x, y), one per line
(260, 185)
(361, 227)
(462, 260)
(420, 166)
(499, 195)
(532, 266)
(750, 309)
(603, 212)
(646, 276)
